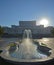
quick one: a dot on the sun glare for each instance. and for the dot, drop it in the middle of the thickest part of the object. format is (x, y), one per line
(44, 22)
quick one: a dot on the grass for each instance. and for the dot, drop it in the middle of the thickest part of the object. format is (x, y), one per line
(43, 44)
(12, 44)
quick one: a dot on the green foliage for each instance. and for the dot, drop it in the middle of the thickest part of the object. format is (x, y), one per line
(12, 44)
(43, 44)
(1, 31)
(52, 31)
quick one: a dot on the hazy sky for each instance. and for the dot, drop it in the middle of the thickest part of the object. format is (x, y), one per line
(12, 11)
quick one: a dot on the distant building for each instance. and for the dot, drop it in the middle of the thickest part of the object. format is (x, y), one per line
(36, 29)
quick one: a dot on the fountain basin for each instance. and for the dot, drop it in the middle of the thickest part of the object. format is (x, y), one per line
(27, 51)
(9, 58)
(6, 55)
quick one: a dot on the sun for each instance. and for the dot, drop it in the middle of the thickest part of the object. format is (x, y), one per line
(44, 22)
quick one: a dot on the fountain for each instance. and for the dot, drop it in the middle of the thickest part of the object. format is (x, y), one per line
(27, 50)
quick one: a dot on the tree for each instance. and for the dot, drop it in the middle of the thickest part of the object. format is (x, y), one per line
(52, 31)
(1, 31)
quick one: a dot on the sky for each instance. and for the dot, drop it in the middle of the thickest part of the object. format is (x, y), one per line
(13, 11)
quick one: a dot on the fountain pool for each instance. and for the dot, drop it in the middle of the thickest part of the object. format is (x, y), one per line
(27, 50)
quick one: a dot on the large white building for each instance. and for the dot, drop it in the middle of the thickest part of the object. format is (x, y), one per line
(36, 29)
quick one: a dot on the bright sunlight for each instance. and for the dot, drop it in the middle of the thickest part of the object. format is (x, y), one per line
(44, 22)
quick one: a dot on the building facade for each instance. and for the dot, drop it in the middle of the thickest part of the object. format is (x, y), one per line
(36, 29)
